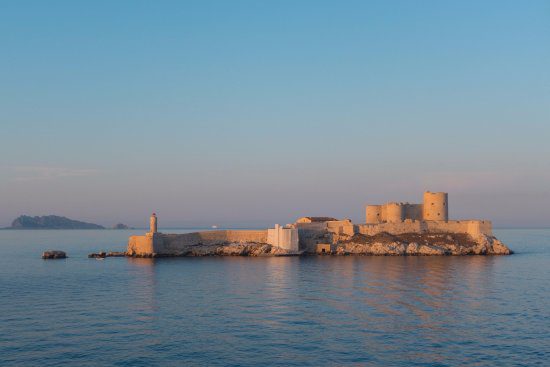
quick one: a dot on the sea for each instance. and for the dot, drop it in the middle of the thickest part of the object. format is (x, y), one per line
(270, 311)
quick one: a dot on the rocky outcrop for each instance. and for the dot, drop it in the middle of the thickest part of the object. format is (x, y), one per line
(54, 254)
(421, 245)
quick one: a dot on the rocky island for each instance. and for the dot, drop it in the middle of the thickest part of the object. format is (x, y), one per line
(121, 226)
(54, 254)
(391, 229)
(56, 222)
(50, 222)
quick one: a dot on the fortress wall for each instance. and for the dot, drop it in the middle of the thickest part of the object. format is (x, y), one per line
(316, 226)
(173, 243)
(259, 236)
(341, 227)
(456, 226)
(413, 211)
(290, 240)
(373, 214)
(140, 245)
(310, 234)
(472, 227)
(436, 206)
(394, 212)
(383, 213)
(479, 227)
(286, 238)
(407, 226)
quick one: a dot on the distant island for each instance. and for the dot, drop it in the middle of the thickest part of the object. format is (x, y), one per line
(56, 222)
(121, 226)
(51, 222)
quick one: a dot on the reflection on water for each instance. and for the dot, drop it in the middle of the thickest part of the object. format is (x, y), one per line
(141, 262)
(144, 282)
(277, 311)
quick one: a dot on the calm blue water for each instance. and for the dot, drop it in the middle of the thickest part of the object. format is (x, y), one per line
(316, 311)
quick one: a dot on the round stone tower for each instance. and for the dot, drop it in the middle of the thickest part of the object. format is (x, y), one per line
(374, 214)
(395, 212)
(435, 206)
(153, 223)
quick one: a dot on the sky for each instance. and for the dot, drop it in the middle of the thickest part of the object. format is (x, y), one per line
(250, 113)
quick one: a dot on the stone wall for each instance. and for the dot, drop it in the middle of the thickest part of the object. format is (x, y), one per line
(283, 237)
(373, 214)
(162, 243)
(393, 212)
(310, 234)
(341, 227)
(141, 245)
(436, 206)
(407, 226)
(176, 242)
(413, 211)
(472, 227)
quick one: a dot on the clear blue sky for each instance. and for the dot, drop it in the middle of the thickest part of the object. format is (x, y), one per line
(256, 112)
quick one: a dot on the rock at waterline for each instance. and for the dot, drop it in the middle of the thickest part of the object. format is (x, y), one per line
(103, 254)
(52, 254)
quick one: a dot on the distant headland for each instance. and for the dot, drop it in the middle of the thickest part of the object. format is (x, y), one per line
(56, 222)
(389, 229)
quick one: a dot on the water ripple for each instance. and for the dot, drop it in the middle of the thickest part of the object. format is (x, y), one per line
(357, 311)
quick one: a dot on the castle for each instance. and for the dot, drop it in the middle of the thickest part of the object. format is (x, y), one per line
(308, 234)
(434, 207)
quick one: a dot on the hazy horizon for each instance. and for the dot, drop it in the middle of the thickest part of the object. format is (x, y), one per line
(248, 114)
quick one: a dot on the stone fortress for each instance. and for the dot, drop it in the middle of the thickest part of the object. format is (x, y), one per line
(434, 207)
(322, 234)
(430, 216)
